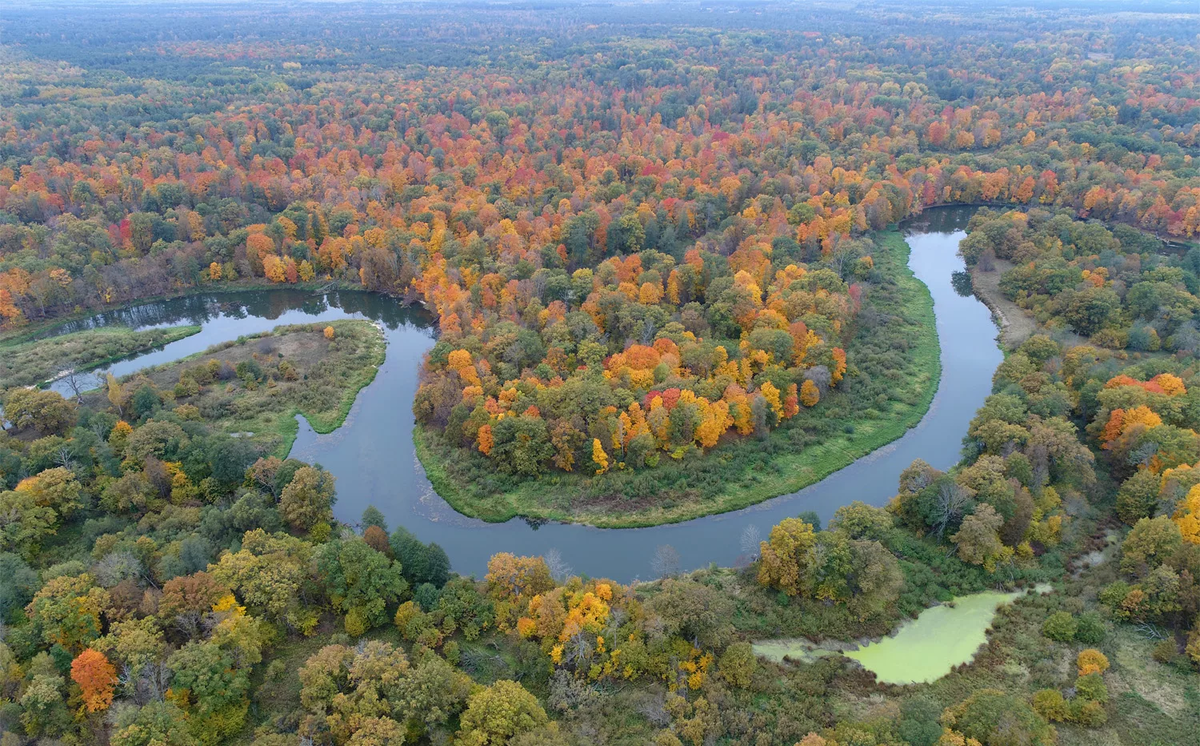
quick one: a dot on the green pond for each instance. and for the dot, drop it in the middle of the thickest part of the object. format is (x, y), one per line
(922, 650)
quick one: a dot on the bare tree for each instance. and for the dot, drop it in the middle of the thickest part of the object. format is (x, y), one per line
(559, 569)
(76, 381)
(751, 539)
(666, 561)
(951, 500)
(64, 458)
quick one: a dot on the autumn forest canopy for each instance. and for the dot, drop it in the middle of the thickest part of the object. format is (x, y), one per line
(661, 248)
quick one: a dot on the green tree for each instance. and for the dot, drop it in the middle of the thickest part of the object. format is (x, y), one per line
(45, 412)
(420, 562)
(308, 499)
(1149, 544)
(24, 523)
(68, 611)
(360, 582)
(205, 677)
(694, 611)
(155, 724)
(978, 539)
(272, 575)
(995, 718)
(1060, 626)
(522, 445)
(498, 713)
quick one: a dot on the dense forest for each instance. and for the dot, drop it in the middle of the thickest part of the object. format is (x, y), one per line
(659, 246)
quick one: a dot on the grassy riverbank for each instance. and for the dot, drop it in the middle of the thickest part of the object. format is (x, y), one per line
(33, 362)
(894, 371)
(256, 385)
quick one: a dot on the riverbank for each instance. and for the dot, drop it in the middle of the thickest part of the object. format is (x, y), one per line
(847, 425)
(40, 362)
(45, 328)
(1014, 323)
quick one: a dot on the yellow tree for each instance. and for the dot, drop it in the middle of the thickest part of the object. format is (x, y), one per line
(599, 456)
(787, 555)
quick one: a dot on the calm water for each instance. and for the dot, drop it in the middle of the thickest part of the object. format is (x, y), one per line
(373, 457)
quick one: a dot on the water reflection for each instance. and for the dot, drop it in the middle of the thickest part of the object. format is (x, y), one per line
(373, 457)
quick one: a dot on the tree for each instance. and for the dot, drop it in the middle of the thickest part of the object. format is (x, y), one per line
(1187, 516)
(978, 538)
(498, 713)
(522, 445)
(994, 718)
(372, 516)
(68, 611)
(420, 562)
(360, 582)
(272, 575)
(308, 499)
(693, 611)
(1060, 626)
(207, 683)
(187, 599)
(21, 582)
(809, 394)
(737, 664)
(433, 692)
(665, 563)
(599, 457)
(517, 578)
(156, 724)
(24, 523)
(1091, 661)
(96, 678)
(787, 557)
(45, 412)
(1149, 544)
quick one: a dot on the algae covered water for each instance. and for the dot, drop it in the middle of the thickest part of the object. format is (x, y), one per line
(921, 651)
(930, 646)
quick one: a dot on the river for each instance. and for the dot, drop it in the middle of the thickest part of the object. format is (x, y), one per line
(373, 457)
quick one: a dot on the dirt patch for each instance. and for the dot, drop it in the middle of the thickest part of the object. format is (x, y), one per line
(1016, 325)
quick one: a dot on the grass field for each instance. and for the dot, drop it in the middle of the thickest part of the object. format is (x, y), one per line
(740, 471)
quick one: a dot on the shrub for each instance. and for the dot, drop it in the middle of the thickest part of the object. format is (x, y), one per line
(1166, 651)
(1049, 703)
(1090, 629)
(1091, 661)
(1088, 714)
(1060, 626)
(1091, 687)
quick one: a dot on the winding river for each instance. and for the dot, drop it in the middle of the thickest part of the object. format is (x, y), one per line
(373, 457)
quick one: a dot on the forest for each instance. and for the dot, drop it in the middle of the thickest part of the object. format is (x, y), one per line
(662, 248)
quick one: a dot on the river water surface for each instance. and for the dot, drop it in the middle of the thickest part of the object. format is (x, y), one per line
(373, 457)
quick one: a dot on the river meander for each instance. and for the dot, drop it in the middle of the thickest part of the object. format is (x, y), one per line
(373, 457)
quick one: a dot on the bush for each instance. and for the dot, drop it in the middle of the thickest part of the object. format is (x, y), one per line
(1090, 629)
(1166, 651)
(1049, 703)
(1088, 714)
(1060, 626)
(1091, 661)
(1091, 687)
